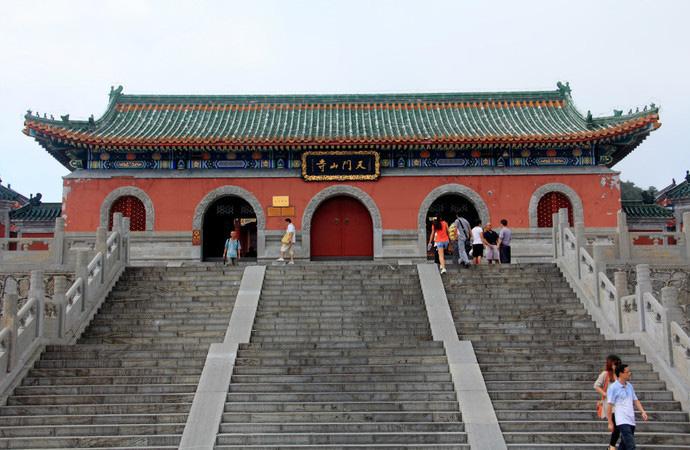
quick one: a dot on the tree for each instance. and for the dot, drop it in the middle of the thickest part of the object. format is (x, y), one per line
(631, 192)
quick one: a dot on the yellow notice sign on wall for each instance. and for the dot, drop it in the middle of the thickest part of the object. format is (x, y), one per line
(281, 201)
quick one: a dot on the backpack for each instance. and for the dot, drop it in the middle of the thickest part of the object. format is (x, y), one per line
(453, 232)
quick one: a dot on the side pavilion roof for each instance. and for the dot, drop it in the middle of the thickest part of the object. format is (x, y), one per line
(530, 118)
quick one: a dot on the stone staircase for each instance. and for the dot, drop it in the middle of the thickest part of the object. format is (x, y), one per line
(341, 357)
(129, 381)
(540, 353)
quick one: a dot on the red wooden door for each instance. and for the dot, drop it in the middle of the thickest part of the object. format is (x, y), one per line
(342, 228)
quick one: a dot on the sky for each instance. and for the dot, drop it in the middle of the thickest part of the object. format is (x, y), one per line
(61, 57)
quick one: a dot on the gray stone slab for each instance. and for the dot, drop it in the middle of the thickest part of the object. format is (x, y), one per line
(242, 319)
(206, 412)
(483, 431)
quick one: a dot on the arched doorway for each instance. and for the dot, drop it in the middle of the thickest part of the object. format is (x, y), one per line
(220, 218)
(342, 229)
(131, 207)
(447, 207)
(549, 204)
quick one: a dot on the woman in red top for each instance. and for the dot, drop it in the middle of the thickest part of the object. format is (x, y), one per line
(439, 235)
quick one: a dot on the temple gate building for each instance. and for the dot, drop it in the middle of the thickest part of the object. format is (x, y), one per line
(360, 175)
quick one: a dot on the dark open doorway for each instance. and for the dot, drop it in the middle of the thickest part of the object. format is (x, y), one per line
(223, 216)
(447, 208)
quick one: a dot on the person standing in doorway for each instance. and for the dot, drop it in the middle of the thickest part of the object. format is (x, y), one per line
(621, 398)
(504, 238)
(491, 243)
(464, 234)
(287, 243)
(439, 235)
(232, 249)
(477, 243)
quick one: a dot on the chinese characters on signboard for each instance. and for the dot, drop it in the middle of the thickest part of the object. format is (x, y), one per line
(340, 165)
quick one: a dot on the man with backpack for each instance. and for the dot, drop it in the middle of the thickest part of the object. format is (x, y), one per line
(459, 234)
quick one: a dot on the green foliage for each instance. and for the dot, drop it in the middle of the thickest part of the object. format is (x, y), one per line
(631, 192)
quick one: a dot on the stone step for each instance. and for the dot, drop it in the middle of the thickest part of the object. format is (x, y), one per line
(572, 376)
(116, 363)
(597, 426)
(342, 370)
(98, 399)
(89, 441)
(571, 395)
(371, 416)
(349, 395)
(111, 380)
(80, 390)
(96, 409)
(342, 438)
(345, 378)
(551, 384)
(584, 415)
(103, 419)
(340, 387)
(398, 446)
(555, 406)
(341, 361)
(356, 353)
(435, 406)
(92, 430)
(341, 427)
(108, 372)
(563, 435)
(325, 345)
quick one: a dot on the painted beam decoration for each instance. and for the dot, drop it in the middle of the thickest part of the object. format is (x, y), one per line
(341, 166)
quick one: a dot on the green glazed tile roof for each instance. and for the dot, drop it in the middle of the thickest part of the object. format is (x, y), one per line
(40, 212)
(9, 194)
(682, 190)
(639, 210)
(547, 117)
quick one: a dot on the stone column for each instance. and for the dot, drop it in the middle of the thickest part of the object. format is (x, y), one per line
(58, 247)
(82, 271)
(686, 234)
(102, 248)
(599, 255)
(579, 243)
(9, 320)
(59, 289)
(620, 281)
(672, 312)
(37, 291)
(623, 237)
(562, 225)
(124, 241)
(644, 285)
(554, 235)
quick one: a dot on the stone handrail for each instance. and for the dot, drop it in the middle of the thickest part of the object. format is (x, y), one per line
(23, 333)
(652, 246)
(24, 243)
(621, 316)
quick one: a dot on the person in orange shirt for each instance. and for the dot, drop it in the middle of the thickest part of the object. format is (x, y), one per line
(439, 236)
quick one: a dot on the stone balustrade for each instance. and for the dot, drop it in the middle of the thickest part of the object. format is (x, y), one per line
(640, 316)
(651, 247)
(25, 331)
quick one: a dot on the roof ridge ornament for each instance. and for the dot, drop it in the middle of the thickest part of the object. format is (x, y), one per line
(564, 89)
(115, 92)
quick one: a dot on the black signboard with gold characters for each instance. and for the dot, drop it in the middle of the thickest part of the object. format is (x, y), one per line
(340, 165)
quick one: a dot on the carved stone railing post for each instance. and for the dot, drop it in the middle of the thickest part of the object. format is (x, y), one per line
(60, 303)
(686, 235)
(579, 243)
(672, 310)
(599, 258)
(102, 247)
(124, 240)
(554, 235)
(562, 225)
(9, 320)
(82, 271)
(37, 291)
(644, 285)
(620, 281)
(58, 245)
(623, 237)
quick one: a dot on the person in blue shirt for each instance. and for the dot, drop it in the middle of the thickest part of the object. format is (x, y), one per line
(232, 249)
(621, 398)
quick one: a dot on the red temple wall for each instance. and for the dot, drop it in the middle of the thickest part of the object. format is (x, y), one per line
(398, 198)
